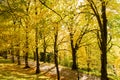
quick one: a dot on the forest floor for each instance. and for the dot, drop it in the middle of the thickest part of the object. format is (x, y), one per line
(10, 71)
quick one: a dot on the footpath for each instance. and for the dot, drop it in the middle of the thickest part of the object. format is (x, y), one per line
(49, 69)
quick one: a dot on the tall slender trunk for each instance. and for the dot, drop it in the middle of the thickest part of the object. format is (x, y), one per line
(26, 60)
(5, 54)
(27, 32)
(36, 38)
(56, 64)
(12, 55)
(19, 49)
(37, 62)
(44, 46)
(56, 52)
(37, 56)
(18, 57)
(26, 52)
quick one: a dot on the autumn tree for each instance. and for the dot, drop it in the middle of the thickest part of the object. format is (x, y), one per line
(56, 28)
(9, 9)
(77, 24)
(102, 36)
(36, 39)
(27, 26)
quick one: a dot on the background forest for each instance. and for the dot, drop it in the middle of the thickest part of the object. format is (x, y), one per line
(82, 35)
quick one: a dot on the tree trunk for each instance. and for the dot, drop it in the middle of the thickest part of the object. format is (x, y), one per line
(104, 43)
(12, 55)
(37, 62)
(26, 52)
(43, 54)
(102, 22)
(44, 46)
(74, 63)
(36, 40)
(5, 54)
(37, 56)
(18, 57)
(56, 64)
(19, 47)
(104, 65)
(56, 52)
(26, 60)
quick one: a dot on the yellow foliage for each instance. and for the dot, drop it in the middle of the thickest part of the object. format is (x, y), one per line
(117, 66)
(82, 57)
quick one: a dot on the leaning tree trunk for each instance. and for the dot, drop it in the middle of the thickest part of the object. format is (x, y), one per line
(56, 64)
(56, 52)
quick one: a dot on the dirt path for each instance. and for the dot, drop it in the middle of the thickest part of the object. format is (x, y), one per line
(48, 69)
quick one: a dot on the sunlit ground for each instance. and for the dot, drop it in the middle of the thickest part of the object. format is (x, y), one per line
(12, 71)
(9, 71)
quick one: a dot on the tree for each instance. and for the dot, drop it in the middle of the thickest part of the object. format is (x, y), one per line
(56, 23)
(45, 32)
(27, 32)
(36, 40)
(18, 46)
(14, 20)
(8, 7)
(78, 27)
(56, 49)
(102, 36)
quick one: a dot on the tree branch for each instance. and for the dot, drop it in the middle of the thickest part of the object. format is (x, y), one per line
(51, 9)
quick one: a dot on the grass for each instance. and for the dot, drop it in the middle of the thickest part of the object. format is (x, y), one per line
(10, 71)
(2, 60)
